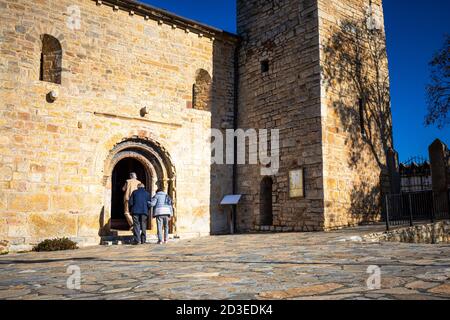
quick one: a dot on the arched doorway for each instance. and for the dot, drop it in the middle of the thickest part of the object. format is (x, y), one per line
(265, 203)
(152, 165)
(121, 173)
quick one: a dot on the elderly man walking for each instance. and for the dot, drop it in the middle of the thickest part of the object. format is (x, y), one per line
(140, 207)
(130, 186)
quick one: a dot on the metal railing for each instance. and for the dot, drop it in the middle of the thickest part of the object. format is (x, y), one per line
(415, 207)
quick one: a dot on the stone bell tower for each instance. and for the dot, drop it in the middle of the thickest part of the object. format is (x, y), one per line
(330, 166)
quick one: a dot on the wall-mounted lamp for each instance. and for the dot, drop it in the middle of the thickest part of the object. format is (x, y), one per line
(52, 96)
(144, 112)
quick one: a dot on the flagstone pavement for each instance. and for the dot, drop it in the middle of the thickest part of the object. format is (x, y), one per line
(257, 266)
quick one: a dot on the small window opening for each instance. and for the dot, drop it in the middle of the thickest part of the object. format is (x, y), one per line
(265, 66)
(51, 60)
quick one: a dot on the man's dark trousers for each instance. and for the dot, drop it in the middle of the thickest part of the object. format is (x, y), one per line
(140, 228)
(140, 205)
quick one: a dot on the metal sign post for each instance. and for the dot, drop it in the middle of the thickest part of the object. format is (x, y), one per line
(231, 201)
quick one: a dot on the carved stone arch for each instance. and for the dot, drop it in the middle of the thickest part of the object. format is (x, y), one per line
(135, 150)
(151, 170)
(157, 162)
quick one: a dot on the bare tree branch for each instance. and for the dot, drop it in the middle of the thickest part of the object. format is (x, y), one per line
(356, 76)
(356, 57)
(438, 91)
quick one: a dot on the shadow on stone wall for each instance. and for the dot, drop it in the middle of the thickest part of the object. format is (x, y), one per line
(222, 118)
(104, 229)
(357, 81)
(365, 202)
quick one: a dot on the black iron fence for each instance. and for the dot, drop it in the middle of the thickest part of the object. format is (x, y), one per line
(415, 175)
(415, 207)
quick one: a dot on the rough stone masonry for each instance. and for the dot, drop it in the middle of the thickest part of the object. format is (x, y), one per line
(91, 89)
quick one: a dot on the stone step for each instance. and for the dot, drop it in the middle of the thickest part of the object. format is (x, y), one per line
(126, 237)
(274, 229)
(122, 233)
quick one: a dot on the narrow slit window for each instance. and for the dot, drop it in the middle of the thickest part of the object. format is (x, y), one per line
(265, 66)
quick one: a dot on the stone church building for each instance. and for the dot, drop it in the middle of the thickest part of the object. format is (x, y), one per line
(93, 90)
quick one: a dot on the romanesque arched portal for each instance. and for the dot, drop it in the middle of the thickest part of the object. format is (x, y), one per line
(154, 167)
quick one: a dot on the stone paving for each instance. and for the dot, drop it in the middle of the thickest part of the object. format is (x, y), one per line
(257, 266)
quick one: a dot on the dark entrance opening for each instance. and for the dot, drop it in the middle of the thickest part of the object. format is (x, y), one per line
(121, 174)
(266, 206)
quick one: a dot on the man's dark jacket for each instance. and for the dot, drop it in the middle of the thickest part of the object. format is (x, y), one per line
(140, 202)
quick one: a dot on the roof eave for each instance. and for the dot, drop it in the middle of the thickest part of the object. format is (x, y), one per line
(167, 17)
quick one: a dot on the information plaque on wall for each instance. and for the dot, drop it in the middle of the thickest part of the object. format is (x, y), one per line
(296, 184)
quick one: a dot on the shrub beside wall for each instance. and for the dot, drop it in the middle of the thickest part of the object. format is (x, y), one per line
(56, 245)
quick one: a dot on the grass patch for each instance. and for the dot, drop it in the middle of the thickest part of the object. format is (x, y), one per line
(55, 245)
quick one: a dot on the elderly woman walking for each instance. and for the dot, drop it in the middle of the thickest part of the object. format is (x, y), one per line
(163, 212)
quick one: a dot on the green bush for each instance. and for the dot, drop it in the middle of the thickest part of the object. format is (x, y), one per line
(55, 245)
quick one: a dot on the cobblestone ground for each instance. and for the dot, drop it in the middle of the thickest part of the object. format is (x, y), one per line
(260, 266)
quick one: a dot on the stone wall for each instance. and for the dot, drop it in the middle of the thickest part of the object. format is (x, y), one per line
(439, 152)
(427, 234)
(127, 83)
(281, 36)
(54, 154)
(448, 168)
(353, 147)
(320, 111)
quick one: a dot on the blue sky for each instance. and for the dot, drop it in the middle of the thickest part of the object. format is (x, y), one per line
(415, 30)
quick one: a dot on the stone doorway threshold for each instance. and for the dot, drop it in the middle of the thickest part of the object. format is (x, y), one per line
(120, 237)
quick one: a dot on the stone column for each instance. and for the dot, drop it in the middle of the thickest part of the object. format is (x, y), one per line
(393, 171)
(438, 157)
